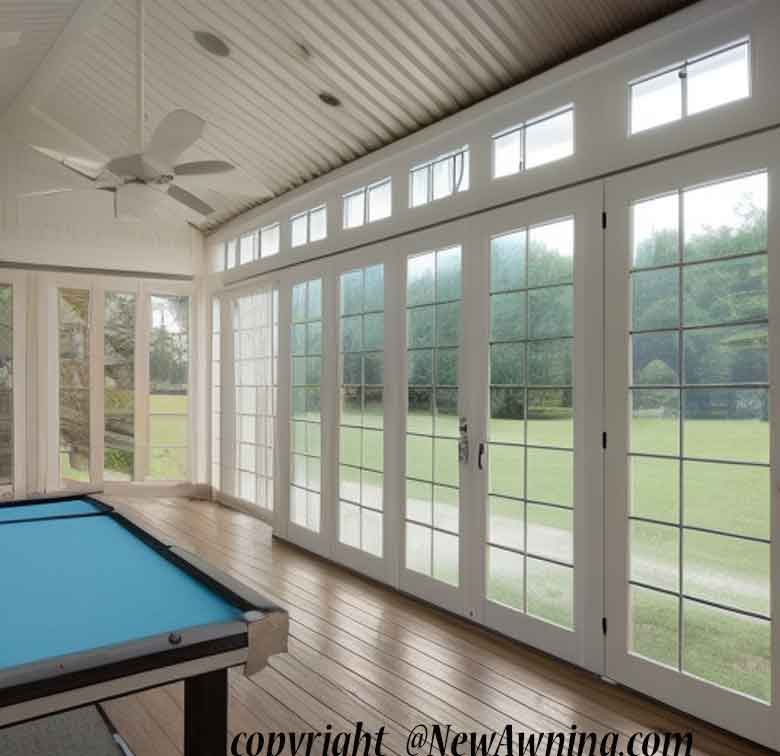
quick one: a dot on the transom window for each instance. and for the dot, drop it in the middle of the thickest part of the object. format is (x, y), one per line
(368, 204)
(690, 87)
(310, 226)
(542, 140)
(439, 178)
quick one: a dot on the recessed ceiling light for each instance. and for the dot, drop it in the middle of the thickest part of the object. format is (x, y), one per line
(211, 43)
(330, 99)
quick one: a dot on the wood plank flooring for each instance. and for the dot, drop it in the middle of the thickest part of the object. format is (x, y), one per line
(361, 652)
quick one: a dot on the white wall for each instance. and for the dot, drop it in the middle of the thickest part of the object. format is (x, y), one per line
(78, 229)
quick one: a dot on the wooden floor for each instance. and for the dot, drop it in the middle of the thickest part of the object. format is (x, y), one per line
(360, 652)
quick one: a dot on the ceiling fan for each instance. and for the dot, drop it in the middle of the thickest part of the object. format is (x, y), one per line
(142, 180)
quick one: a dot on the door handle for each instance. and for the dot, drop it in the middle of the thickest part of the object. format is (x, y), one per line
(481, 455)
(463, 442)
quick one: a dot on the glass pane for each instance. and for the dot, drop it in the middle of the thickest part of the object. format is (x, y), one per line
(724, 291)
(354, 209)
(443, 178)
(318, 224)
(448, 274)
(727, 649)
(550, 418)
(550, 532)
(727, 424)
(655, 555)
(507, 412)
(445, 457)
(419, 457)
(419, 547)
(726, 570)
(550, 592)
(656, 101)
(168, 464)
(655, 231)
(419, 190)
(269, 240)
(730, 498)
(653, 625)
(507, 261)
(374, 283)
(508, 154)
(420, 327)
(419, 501)
(655, 358)
(371, 532)
(445, 557)
(507, 316)
(246, 247)
(551, 253)
(550, 363)
(655, 415)
(549, 475)
(349, 483)
(420, 280)
(655, 299)
(299, 230)
(507, 364)
(506, 522)
(727, 218)
(655, 489)
(735, 354)
(550, 139)
(550, 312)
(718, 79)
(352, 292)
(446, 508)
(505, 577)
(380, 201)
(349, 524)
(507, 465)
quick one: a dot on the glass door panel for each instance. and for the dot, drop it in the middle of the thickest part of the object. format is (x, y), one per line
(691, 467)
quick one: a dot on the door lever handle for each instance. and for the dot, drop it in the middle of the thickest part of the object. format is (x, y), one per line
(481, 455)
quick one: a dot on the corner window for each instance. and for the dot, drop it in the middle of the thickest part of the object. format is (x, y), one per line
(527, 145)
(368, 204)
(691, 87)
(439, 178)
(310, 226)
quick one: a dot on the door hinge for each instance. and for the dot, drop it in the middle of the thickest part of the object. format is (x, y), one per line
(604, 219)
(604, 440)
(604, 625)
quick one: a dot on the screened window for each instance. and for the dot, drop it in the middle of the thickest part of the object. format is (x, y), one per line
(530, 429)
(169, 387)
(368, 204)
(269, 240)
(6, 385)
(308, 227)
(119, 385)
(700, 487)
(255, 378)
(216, 393)
(306, 430)
(696, 85)
(248, 248)
(433, 293)
(361, 448)
(74, 412)
(439, 178)
(528, 145)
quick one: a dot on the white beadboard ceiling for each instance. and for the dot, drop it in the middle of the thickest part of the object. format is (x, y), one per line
(397, 66)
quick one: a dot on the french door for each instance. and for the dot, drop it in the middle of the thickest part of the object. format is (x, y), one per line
(693, 356)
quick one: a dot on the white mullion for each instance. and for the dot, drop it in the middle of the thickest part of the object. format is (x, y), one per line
(48, 391)
(19, 384)
(96, 385)
(228, 417)
(141, 379)
(283, 410)
(329, 409)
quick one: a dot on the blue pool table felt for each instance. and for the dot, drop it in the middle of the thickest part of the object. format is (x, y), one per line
(78, 584)
(34, 511)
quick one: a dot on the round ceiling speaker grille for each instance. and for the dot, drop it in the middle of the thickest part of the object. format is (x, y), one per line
(212, 44)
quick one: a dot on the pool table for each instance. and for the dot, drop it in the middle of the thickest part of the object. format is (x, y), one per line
(94, 606)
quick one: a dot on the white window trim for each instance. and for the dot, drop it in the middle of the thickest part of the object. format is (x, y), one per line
(366, 192)
(428, 165)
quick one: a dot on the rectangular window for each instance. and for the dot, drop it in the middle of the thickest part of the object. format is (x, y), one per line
(219, 258)
(308, 227)
(361, 455)
(254, 324)
(690, 87)
(439, 178)
(305, 430)
(531, 422)
(533, 143)
(248, 248)
(74, 354)
(368, 204)
(231, 249)
(269, 240)
(119, 386)
(216, 394)
(6, 385)
(699, 434)
(169, 357)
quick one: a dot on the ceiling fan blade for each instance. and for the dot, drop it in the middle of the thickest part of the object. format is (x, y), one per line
(173, 135)
(203, 168)
(89, 169)
(190, 200)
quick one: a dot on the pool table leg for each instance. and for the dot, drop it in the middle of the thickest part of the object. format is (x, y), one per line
(206, 714)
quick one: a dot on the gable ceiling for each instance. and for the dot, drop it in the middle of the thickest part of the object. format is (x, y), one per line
(396, 66)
